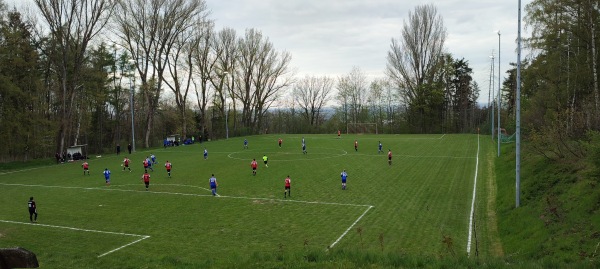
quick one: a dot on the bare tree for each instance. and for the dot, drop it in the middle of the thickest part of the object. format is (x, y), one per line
(203, 62)
(261, 73)
(150, 30)
(413, 59)
(223, 75)
(72, 25)
(311, 94)
(352, 92)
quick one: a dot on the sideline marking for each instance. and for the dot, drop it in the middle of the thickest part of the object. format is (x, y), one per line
(87, 230)
(473, 201)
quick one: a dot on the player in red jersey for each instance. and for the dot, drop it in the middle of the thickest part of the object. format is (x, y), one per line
(126, 162)
(254, 165)
(288, 183)
(86, 168)
(146, 179)
(339, 133)
(279, 142)
(168, 165)
(390, 157)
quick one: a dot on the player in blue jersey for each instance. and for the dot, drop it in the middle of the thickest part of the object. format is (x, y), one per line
(245, 143)
(205, 154)
(149, 161)
(344, 176)
(153, 159)
(380, 146)
(213, 184)
(107, 176)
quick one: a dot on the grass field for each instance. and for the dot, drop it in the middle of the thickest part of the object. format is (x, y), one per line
(421, 204)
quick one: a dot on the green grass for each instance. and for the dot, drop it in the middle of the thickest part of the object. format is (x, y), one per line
(407, 209)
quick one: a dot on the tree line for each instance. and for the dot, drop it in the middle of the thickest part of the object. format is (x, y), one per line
(94, 71)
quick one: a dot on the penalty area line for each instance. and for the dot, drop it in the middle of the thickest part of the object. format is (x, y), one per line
(142, 237)
(472, 214)
(349, 228)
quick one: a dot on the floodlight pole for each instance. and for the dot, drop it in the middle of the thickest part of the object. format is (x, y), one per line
(499, 95)
(491, 93)
(518, 117)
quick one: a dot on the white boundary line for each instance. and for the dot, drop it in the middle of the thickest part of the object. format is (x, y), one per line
(207, 195)
(347, 230)
(86, 230)
(471, 215)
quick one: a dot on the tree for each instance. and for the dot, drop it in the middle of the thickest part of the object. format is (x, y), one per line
(72, 25)
(311, 94)
(352, 92)
(150, 30)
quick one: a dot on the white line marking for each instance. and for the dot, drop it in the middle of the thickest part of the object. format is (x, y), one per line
(473, 202)
(347, 230)
(86, 230)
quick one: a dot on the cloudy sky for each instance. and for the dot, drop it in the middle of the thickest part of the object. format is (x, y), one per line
(329, 37)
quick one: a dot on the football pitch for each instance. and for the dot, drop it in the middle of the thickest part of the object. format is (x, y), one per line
(415, 206)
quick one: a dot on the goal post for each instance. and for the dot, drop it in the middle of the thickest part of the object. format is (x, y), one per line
(362, 128)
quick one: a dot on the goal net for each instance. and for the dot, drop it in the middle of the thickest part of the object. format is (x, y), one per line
(362, 128)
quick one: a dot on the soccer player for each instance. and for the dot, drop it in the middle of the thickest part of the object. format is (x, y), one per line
(205, 154)
(380, 146)
(213, 184)
(355, 145)
(390, 157)
(279, 141)
(126, 162)
(339, 134)
(149, 161)
(303, 142)
(245, 143)
(86, 167)
(303, 146)
(254, 165)
(107, 176)
(344, 176)
(153, 159)
(32, 209)
(129, 148)
(146, 179)
(286, 191)
(168, 165)
(265, 160)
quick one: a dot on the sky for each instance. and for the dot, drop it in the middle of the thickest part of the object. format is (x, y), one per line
(329, 37)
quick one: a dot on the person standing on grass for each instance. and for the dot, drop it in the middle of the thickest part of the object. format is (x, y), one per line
(145, 162)
(279, 142)
(168, 165)
(287, 191)
(118, 149)
(265, 160)
(254, 165)
(304, 148)
(390, 157)
(245, 143)
(126, 162)
(380, 146)
(129, 148)
(86, 168)
(146, 179)
(32, 210)
(148, 160)
(205, 154)
(355, 145)
(339, 134)
(153, 159)
(106, 176)
(213, 184)
(344, 176)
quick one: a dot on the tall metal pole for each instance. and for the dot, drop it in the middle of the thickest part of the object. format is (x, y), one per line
(499, 95)
(491, 95)
(132, 116)
(518, 116)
